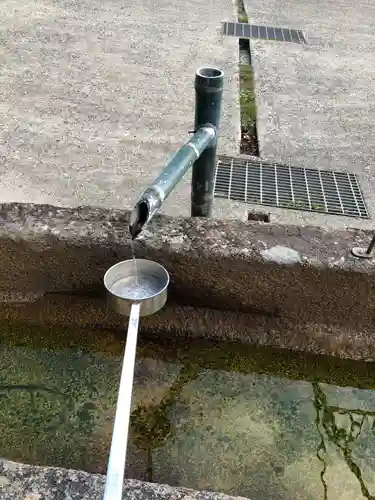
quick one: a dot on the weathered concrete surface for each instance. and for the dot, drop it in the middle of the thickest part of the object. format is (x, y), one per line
(349, 341)
(24, 482)
(315, 102)
(97, 95)
(286, 279)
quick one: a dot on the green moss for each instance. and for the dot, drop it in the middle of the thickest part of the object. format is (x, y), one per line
(247, 99)
(150, 423)
(235, 357)
(297, 204)
(318, 207)
(241, 12)
(52, 403)
(47, 336)
(199, 354)
(300, 205)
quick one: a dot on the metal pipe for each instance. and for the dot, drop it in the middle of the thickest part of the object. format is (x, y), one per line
(364, 253)
(209, 83)
(370, 248)
(154, 196)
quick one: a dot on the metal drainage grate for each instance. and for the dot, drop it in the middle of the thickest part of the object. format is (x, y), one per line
(283, 186)
(244, 30)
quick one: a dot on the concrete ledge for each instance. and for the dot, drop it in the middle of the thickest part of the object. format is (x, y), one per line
(25, 482)
(183, 321)
(295, 287)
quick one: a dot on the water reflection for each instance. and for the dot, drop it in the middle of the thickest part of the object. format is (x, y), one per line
(342, 432)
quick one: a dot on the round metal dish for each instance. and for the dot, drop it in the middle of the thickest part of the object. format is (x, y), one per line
(139, 280)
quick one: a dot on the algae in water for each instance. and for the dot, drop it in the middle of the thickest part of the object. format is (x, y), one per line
(250, 421)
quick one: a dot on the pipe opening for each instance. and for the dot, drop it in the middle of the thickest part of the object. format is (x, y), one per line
(210, 73)
(138, 218)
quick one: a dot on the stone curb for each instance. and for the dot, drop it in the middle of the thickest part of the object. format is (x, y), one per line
(26, 482)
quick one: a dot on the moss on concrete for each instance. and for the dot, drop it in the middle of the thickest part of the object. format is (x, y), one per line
(249, 140)
(242, 14)
(234, 357)
(247, 98)
(107, 342)
(200, 353)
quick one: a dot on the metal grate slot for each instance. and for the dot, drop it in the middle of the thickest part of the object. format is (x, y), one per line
(244, 30)
(314, 190)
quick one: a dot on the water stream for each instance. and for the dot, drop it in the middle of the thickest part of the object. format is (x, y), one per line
(135, 269)
(262, 423)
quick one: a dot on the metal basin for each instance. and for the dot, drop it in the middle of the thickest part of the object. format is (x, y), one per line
(136, 281)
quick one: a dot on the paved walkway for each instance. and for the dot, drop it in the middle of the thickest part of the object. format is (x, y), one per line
(316, 103)
(95, 95)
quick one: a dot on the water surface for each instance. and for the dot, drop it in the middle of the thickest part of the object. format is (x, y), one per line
(261, 423)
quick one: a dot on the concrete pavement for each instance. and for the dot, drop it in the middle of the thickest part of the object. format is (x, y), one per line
(316, 102)
(95, 96)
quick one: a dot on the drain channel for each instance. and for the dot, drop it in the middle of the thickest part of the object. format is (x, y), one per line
(283, 186)
(249, 138)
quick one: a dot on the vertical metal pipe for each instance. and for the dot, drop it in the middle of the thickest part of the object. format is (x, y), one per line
(208, 97)
(364, 253)
(370, 248)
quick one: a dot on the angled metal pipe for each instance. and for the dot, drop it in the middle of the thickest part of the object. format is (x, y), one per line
(153, 197)
(199, 152)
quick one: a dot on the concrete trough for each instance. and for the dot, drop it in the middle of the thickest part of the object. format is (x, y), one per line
(285, 286)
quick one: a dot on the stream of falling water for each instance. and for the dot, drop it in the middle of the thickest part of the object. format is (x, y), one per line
(135, 286)
(135, 269)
